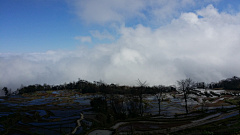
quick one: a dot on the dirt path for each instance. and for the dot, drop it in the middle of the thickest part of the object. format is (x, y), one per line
(78, 125)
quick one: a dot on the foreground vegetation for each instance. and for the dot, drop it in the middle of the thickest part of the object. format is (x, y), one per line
(228, 126)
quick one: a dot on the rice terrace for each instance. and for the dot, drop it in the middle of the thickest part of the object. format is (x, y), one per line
(97, 108)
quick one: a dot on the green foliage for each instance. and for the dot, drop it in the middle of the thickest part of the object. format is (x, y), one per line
(233, 101)
(207, 133)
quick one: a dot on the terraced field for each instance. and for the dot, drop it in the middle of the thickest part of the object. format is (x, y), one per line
(53, 113)
(69, 112)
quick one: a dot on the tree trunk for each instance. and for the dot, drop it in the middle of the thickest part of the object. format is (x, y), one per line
(159, 101)
(140, 106)
(185, 97)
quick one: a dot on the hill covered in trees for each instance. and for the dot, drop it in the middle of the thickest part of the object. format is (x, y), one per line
(228, 84)
(99, 86)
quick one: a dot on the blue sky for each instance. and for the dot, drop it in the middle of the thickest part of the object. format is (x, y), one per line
(36, 26)
(161, 41)
(41, 25)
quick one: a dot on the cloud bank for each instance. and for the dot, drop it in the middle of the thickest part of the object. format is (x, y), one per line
(150, 11)
(203, 45)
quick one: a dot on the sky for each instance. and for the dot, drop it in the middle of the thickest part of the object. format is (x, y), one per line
(158, 41)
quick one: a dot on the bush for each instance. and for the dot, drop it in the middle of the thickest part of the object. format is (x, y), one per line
(207, 133)
(99, 104)
(211, 99)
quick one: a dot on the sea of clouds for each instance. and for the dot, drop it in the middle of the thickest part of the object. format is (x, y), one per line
(203, 45)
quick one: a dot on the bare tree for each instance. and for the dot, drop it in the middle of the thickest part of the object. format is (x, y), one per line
(158, 95)
(185, 86)
(141, 90)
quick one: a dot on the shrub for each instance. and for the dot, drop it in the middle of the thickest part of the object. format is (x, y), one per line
(207, 133)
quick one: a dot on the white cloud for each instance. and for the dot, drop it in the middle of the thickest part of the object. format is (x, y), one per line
(154, 11)
(103, 11)
(104, 35)
(83, 38)
(205, 49)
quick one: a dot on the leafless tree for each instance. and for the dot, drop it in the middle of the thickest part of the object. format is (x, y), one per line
(185, 86)
(141, 90)
(158, 95)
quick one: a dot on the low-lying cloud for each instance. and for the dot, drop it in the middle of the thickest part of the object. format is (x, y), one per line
(203, 48)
